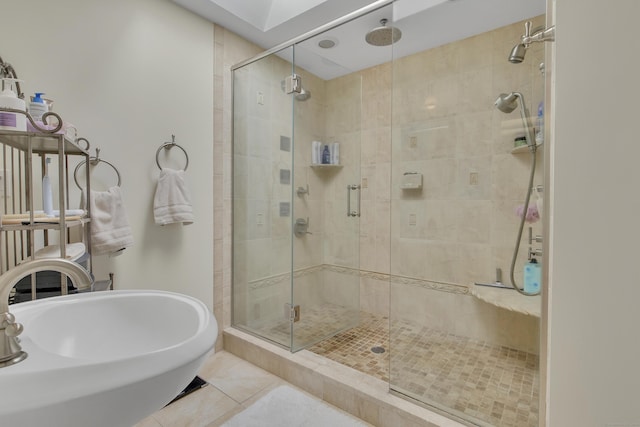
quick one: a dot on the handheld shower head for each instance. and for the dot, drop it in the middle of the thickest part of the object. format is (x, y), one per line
(517, 53)
(507, 103)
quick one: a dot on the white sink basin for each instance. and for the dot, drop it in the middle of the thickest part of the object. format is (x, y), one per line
(103, 359)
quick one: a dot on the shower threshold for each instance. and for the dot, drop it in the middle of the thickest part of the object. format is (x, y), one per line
(361, 395)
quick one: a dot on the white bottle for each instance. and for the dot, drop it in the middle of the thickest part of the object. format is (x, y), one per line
(47, 195)
(37, 107)
(9, 100)
(335, 153)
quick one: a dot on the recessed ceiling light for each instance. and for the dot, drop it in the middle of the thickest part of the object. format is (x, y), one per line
(328, 43)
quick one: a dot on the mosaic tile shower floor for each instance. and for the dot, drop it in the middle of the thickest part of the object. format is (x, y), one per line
(495, 385)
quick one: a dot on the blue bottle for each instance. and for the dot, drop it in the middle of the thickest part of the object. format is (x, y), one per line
(532, 276)
(540, 124)
(326, 155)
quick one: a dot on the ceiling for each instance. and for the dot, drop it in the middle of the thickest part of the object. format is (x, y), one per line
(424, 24)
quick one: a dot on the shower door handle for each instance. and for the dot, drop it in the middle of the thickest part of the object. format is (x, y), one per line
(352, 187)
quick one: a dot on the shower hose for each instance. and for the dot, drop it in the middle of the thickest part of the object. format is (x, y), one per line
(533, 148)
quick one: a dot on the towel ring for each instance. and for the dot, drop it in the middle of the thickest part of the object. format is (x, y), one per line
(168, 146)
(94, 161)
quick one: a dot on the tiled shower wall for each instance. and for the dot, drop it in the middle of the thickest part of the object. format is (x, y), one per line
(457, 230)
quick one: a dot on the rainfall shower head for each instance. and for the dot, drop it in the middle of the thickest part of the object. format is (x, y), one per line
(383, 35)
(517, 53)
(507, 103)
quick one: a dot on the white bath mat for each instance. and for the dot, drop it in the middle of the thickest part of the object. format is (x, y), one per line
(285, 406)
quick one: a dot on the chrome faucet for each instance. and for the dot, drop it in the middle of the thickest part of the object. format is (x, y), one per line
(10, 350)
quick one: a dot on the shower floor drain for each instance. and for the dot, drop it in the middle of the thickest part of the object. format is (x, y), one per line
(378, 349)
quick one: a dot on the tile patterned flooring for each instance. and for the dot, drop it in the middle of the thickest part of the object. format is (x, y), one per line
(316, 324)
(493, 384)
(234, 384)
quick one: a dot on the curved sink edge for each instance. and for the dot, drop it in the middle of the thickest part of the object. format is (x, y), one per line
(51, 381)
(138, 367)
(203, 313)
(87, 411)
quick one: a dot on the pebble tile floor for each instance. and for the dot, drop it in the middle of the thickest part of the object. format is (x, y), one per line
(493, 384)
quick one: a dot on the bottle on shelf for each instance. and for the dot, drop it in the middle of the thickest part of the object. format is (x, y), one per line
(9, 100)
(326, 155)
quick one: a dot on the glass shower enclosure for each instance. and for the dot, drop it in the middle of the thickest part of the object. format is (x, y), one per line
(388, 190)
(297, 194)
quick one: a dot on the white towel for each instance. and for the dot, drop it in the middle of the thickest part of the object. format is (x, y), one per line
(110, 231)
(172, 202)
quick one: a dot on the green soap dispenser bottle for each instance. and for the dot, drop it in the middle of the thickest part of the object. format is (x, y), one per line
(532, 276)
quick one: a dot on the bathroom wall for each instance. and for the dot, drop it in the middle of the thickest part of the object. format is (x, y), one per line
(129, 75)
(594, 234)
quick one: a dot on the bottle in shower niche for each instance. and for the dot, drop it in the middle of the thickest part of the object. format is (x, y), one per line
(314, 152)
(326, 155)
(335, 153)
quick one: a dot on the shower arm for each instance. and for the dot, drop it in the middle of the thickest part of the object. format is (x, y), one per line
(543, 35)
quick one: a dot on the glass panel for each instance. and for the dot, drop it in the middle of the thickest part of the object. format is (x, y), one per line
(453, 346)
(328, 135)
(262, 161)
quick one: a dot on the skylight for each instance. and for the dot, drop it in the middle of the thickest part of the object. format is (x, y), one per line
(267, 14)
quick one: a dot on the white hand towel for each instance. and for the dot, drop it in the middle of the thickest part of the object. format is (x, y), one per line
(172, 202)
(110, 231)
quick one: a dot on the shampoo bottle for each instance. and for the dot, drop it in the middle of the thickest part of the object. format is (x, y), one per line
(9, 100)
(326, 156)
(47, 196)
(532, 276)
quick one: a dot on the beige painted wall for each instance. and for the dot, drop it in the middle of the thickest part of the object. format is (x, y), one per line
(593, 281)
(129, 75)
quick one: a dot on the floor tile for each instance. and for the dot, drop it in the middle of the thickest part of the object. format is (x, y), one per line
(237, 378)
(198, 409)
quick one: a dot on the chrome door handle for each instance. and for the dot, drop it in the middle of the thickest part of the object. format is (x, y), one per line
(351, 187)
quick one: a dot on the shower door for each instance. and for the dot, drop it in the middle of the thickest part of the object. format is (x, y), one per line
(296, 215)
(262, 195)
(327, 199)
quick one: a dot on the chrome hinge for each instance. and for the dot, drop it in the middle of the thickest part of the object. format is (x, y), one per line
(292, 83)
(292, 313)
